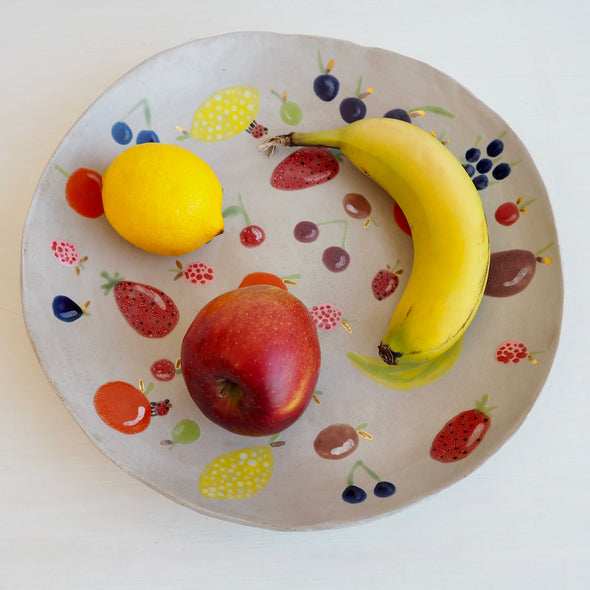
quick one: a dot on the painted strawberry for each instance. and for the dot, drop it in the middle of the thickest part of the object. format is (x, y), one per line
(148, 310)
(462, 434)
(385, 282)
(197, 273)
(305, 167)
(326, 316)
(68, 254)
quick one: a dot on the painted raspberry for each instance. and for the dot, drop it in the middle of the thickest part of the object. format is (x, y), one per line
(199, 273)
(511, 352)
(326, 316)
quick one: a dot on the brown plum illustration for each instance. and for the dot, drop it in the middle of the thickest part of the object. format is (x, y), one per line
(336, 441)
(511, 271)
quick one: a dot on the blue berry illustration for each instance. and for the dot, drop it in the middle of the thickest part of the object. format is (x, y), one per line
(353, 108)
(147, 136)
(354, 494)
(399, 114)
(67, 310)
(479, 168)
(121, 133)
(326, 85)
(384, 489)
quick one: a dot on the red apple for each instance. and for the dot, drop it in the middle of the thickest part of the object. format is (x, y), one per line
(251, 360)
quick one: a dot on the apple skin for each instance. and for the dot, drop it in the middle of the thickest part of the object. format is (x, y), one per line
(251, 360)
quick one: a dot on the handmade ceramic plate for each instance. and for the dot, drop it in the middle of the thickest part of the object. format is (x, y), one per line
(219, 98)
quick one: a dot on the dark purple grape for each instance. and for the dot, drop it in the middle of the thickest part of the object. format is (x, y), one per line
(399, 114)
(65, 309)
(306, 232)
(495, 148)
(469, 169)
(147, 136)
(501, 171)
(384, 489)
(352, 109)
(480, 182)
(121, 133)
(472, 154)
(511, 271)
(354, 495)
(326, 87)
(356, 205)
(484, 166)
(336, 258)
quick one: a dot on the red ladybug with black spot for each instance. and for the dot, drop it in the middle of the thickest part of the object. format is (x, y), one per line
(161, 408)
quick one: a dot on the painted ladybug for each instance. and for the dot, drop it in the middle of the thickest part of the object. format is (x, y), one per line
(257, 130)
(161, 408)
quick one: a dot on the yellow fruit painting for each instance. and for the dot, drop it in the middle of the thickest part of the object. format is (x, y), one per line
(238, 474)
(225, 113)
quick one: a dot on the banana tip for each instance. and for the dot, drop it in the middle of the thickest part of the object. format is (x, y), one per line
(388, 356)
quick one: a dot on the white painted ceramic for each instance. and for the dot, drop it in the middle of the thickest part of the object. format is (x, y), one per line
(507, 353)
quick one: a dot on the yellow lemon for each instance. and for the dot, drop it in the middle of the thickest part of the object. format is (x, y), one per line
(162, 198)
(238, 474)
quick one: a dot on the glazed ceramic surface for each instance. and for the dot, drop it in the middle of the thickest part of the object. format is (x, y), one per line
(362, 449)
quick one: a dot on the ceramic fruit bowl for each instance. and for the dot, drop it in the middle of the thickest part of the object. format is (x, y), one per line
(362, 449)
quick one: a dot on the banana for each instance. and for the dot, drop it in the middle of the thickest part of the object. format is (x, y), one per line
(448, 223)
(410, 376)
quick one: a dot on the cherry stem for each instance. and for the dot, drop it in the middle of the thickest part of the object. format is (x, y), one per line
(344, 221)
(146, 111)
(321, 63)
(243, 209)
(358, 86)
(64, 172)
(370, 472)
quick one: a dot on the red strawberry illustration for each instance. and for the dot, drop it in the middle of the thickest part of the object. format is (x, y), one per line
(68, 254)
(326, 316)
(149, 311)
(197, 273)
(305, 167)
(462, 434)
(385, 282)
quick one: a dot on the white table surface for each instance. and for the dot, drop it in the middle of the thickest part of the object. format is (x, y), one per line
(69, 518)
